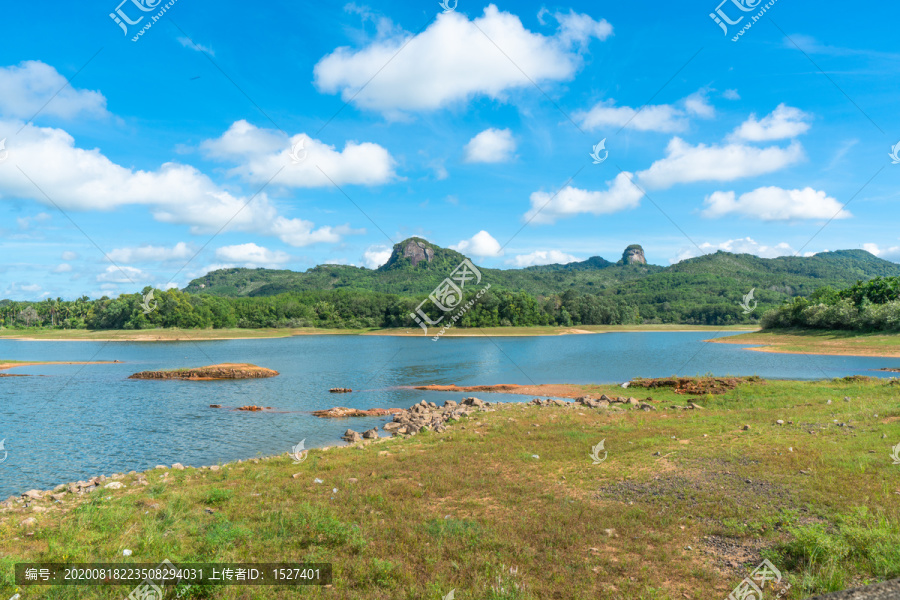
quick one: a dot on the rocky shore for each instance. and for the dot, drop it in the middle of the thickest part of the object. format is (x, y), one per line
(429, 416)
(423, 416)
(210, 372)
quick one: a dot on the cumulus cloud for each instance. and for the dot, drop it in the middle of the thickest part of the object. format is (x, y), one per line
(63, 268)
(542, 257)
(455, 59)
(376, 255)
(621, 195)
(739, 246)
(783, 122)
(731, 95)
(685, 163)
(83, 180)
(663, 118)
(490, 146)
(179, 251)
(28, 88)
(481, 244)
(122, 274)
(887, 253)
(252, 256)
(260, 153)
(69, 255)
(775, 204)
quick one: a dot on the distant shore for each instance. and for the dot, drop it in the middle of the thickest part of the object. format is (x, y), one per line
(826, 343)
(196, 335)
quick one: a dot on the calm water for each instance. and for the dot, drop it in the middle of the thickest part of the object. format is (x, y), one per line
(70, 422)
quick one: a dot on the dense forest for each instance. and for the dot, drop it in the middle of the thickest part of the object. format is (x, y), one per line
(706, 290)
(873, 305)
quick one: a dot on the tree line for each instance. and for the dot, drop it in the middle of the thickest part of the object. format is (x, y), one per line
(356, 309)
(872, 305)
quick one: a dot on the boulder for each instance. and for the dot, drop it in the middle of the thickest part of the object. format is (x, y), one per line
(352, 436)
(370, 434)
(33, 495)
(473, 402)
(115, 485)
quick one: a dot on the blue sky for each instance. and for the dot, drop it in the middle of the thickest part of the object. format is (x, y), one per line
(287, 135)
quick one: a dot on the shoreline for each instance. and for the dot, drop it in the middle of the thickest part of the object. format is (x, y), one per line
(818, 343)
(203, 335)
(4, 365)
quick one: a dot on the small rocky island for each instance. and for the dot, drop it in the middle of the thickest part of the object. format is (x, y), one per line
(210, 373)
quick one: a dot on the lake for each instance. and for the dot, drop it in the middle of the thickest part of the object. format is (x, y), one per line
(71, 422)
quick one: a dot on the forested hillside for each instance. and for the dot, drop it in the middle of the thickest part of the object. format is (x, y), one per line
(707, 290)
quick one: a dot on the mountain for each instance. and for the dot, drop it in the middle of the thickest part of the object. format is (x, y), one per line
(416, 266)
(705, 289)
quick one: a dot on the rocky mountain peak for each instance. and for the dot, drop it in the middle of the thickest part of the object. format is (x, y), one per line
(633, 255)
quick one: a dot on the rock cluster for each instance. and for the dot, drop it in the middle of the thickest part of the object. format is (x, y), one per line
(340, 390)
(343, 411)
(210, 372)
(423, 416)
(253, 408)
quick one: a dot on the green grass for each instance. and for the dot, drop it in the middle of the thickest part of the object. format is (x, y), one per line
(458, 510)
(816, 341)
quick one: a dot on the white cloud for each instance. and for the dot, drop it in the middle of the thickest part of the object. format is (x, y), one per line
(738, 246)
(687, 164)
(481, 244)
(579, 29)
(621, 195)
(69, 255)
(179, 251)
(260, 153)
(775, 204)
(490, 146)
(731, 95)
(121, 274)
(26, 89)
(783, 122)
(252, 256)
(542, 257)
(376, 255)
(83, 180)
(63, 268)
(887, 253)
(663, 118)
(32, 287)
(187, 43)
(454, 59)
(697, 104)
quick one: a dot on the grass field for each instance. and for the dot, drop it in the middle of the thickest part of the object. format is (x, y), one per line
(685, 505)
(821, 342)
(168, 335)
